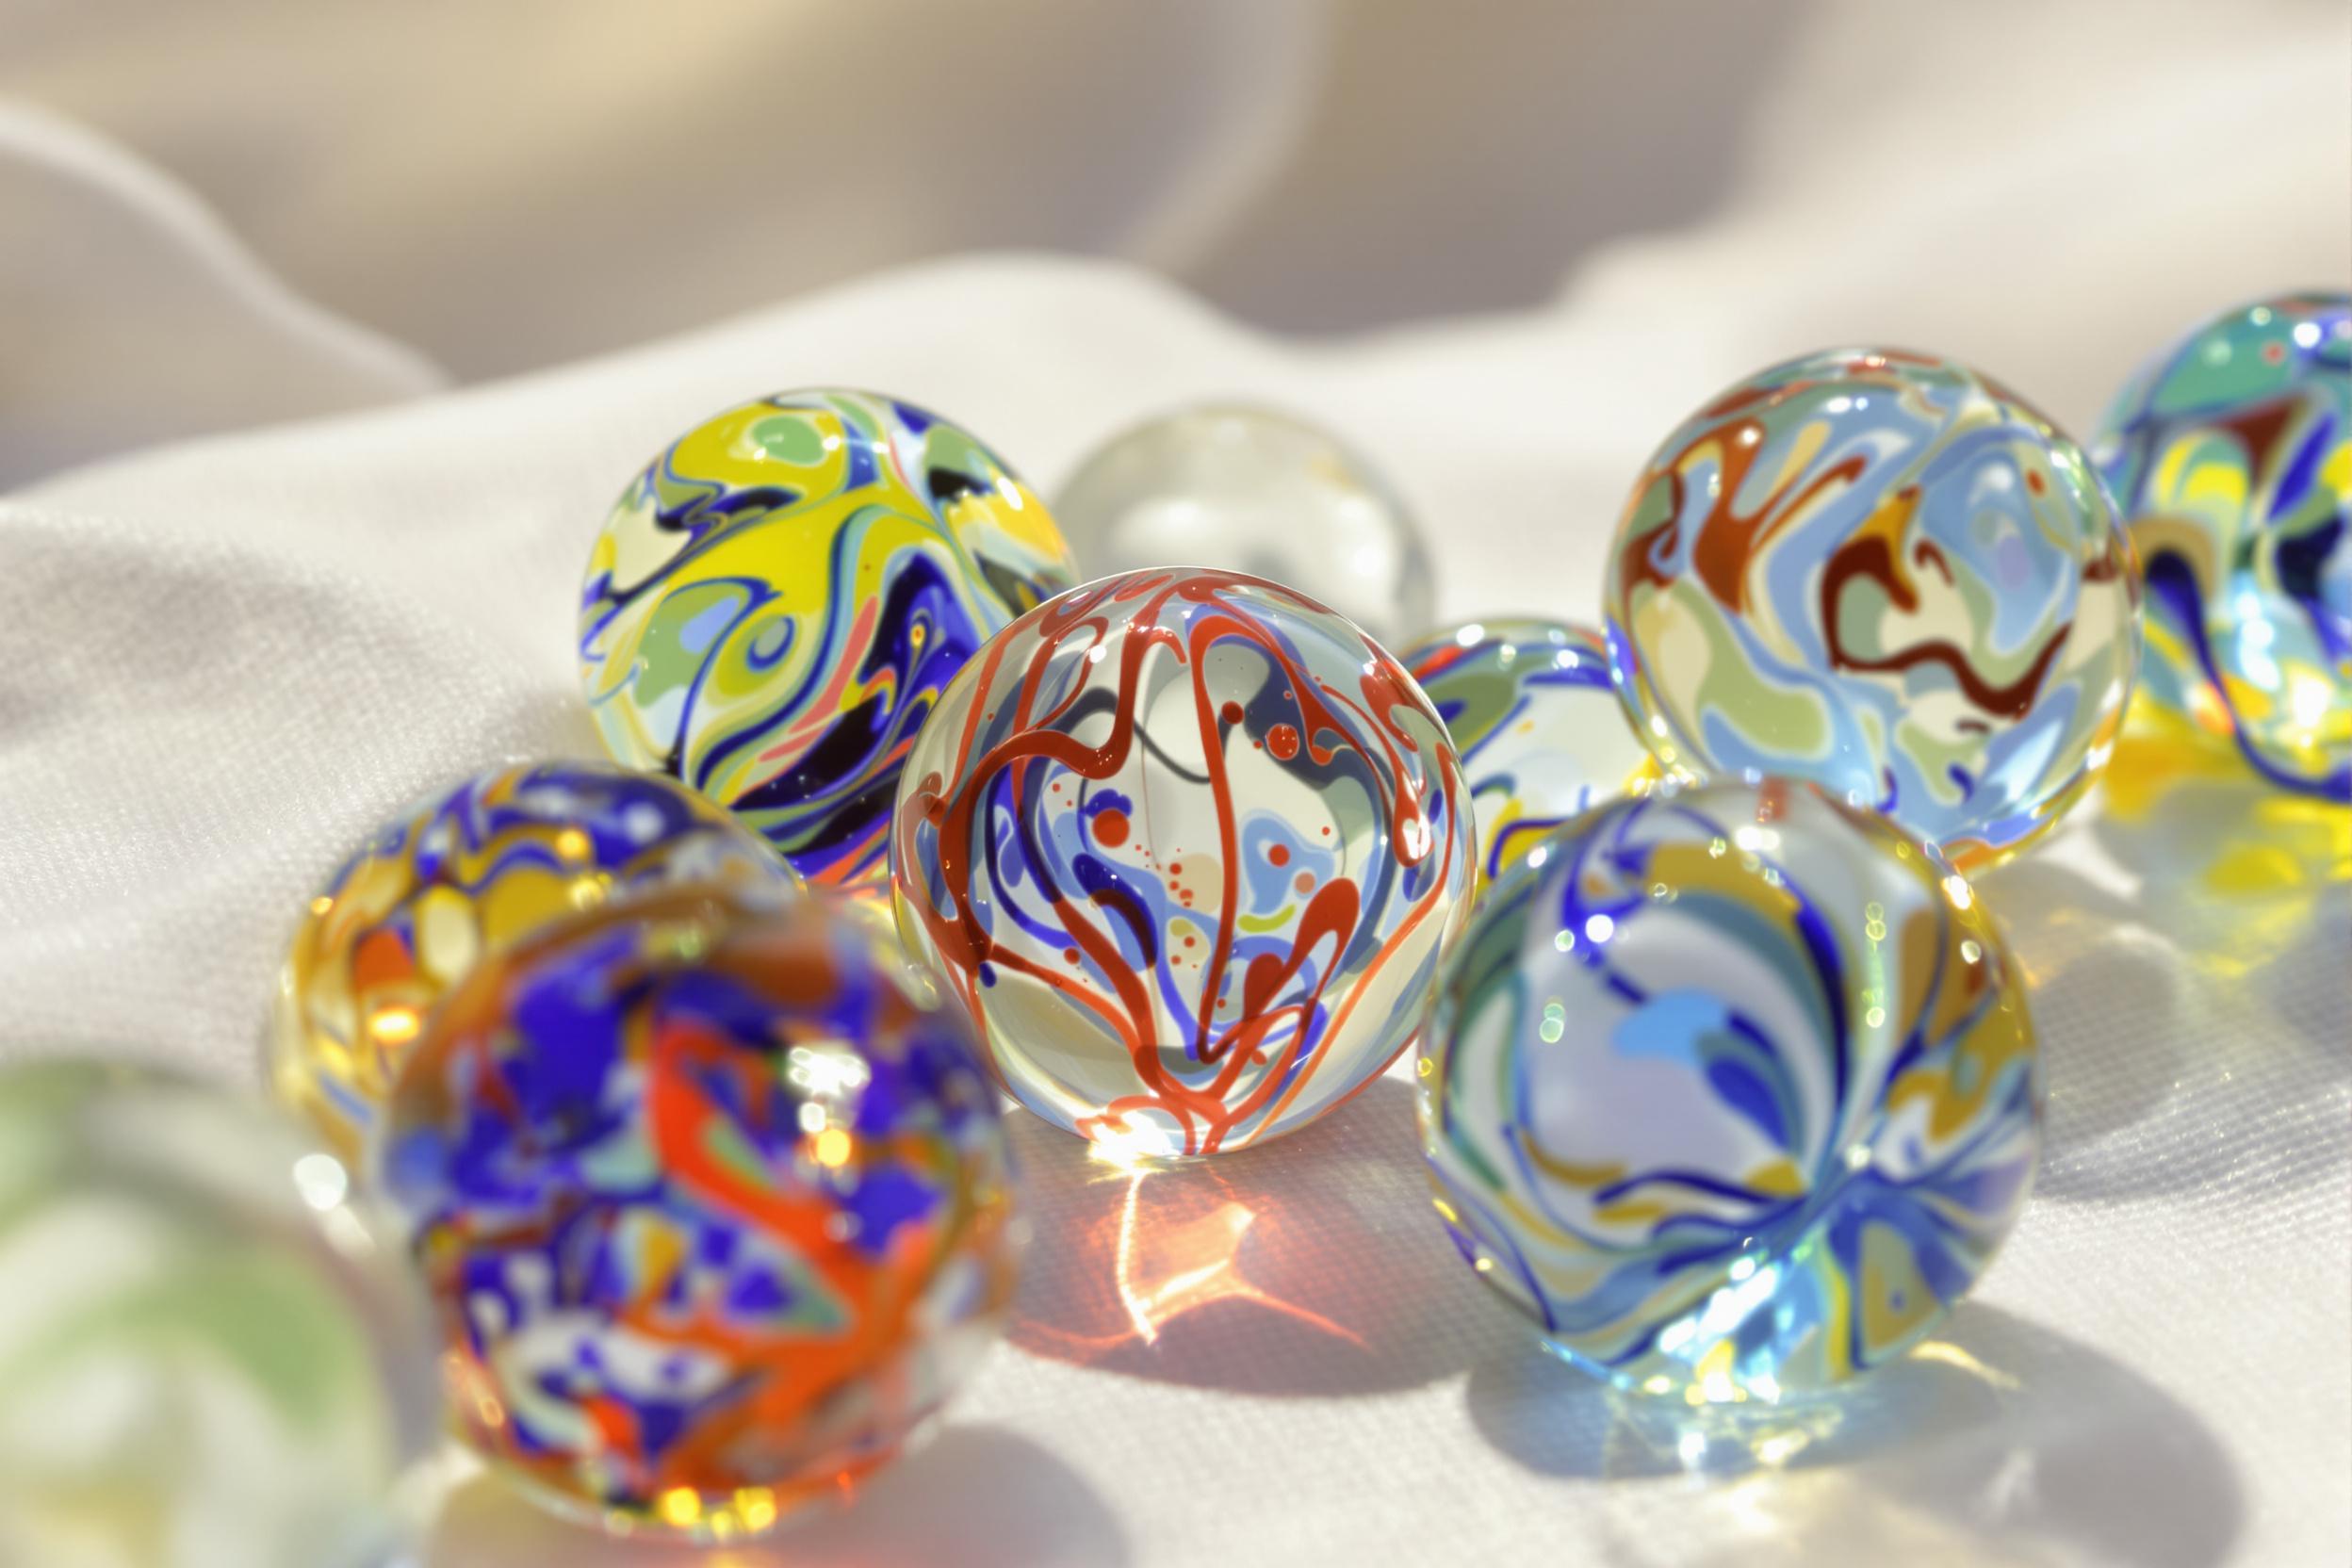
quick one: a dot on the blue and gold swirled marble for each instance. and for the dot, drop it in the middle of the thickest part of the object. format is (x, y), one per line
(1735, 1095)
(1534, 713)
(2230, 455)
(775, 603)
(1888, 575)
(460, 876)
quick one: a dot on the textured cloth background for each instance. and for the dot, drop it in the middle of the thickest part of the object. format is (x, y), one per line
(234, 657)
(228, 658)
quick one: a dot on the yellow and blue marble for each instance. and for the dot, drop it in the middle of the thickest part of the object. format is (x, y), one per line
(1735, 1095)
(457, 878)
(2230, 455)
(777, 600)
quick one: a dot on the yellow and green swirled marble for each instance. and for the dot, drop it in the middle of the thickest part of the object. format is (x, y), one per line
(2230, 454)
(1888, 575)
(777, 601)
(1735, 1095)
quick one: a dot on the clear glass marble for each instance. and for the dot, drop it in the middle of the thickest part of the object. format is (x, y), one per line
(1251, 490)
(211, 1353)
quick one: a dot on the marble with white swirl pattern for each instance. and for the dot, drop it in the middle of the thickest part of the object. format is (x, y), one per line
(1735, 1095)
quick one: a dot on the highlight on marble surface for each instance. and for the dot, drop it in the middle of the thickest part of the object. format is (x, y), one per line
(1734, 1096)
(209, 1350)
(1188, 847)
(1886, 574)
(2229, 454)
(1253, 490)
(714, 1212)
(1533, 710)
(775, 602)
(461, 875)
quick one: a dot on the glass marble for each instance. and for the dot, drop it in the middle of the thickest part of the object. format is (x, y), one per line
(1187, 845)
(1736, 1095)
(1888, 575)
(1250, 490)
(775, 603)
(207, 1355)
(2230, 455)
(714, 1212)
(463, 875)
(1535, 716)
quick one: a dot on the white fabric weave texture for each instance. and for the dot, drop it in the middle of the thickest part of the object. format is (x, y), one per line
(233, 657)
(229, 658)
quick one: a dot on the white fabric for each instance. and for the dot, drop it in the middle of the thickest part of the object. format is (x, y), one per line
(513, 186)
(133, 317)
(597, 171)
(230, 657)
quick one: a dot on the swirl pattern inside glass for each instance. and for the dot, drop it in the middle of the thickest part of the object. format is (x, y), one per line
(1188, 844)
(715, 1214)
(2230, 454)
(467, 873)
(1736, 1095)
(1533, 709)
(1885, 574)
(775, 602)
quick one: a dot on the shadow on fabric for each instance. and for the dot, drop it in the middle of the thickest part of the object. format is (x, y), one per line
(1996, 1437)
(978, 1496)
(2171, 1048)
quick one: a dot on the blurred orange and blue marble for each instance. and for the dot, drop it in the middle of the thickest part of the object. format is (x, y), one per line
(714, 1211)
(1735, 1095)
(2230, 456)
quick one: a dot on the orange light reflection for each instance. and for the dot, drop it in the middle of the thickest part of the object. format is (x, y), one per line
(1190, 1265)
(1175, 1247)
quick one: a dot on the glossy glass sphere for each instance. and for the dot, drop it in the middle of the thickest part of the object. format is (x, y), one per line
(1250, 490)
(1187, 847)
(2230, 454)
(1888, 575)
(1533, 709)
(1735, 1095)
(461, 875)
(208, 1352)
(714, 1212)
(775, 603)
